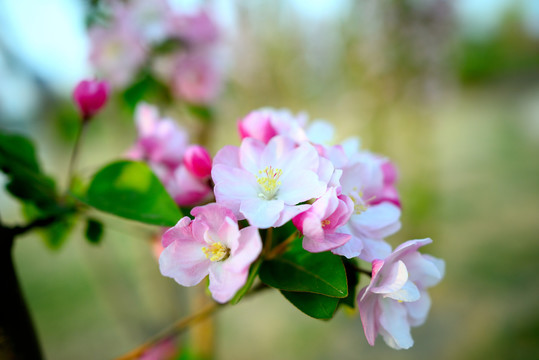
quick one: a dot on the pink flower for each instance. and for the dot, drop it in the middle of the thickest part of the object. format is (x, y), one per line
(90, 96)
(396, 297)
(160, 141)
(196, 78)
(265, 123)
(388, 192)
(188, 189)
(196, 29)
(183, 170)
(320, 224)
(363, 181)
(198, 161)
(210, 244)
(117, 52)
(266, 184)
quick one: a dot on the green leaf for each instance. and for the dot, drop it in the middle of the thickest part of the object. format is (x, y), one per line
(56, 233)
(146, 88)
(314, 305)
(131, 190)
(18, 161)
(94, 231)
(202, 112)
(352, 277)
(300, 270)
(253, 272)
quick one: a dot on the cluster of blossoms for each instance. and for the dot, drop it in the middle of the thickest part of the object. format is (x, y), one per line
(178, 48)
(184, 169)
(341, 199)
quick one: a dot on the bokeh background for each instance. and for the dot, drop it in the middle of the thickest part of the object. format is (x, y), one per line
(449, 90)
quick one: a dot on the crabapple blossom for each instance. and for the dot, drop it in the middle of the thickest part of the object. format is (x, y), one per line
(195, 29)
(196, 78)
(396, 298)
(320, 224)
(198, 161)
(117, 52)
(213, 245)
(90, 96)
(263, 124)
(184, 170)
(363, 181)
(160, 140)
(266, 183)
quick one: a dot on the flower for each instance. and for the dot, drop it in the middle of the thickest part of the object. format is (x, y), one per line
(211, 245)
(263, 124)
(396, 298)
(363, 181)
(195, 29)
(198, 161)
(182, 168)
(320, 224)
(266, 184)
(160, 140)
(90, 96)
(117, 52)
(196, 78)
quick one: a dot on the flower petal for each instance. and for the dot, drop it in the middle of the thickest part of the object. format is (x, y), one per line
(185, 262)
(394, 326)
(262, 213)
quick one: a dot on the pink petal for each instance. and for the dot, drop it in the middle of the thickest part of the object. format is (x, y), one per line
(249, 247)
(181, 230)
(369, 312)
(184, 261)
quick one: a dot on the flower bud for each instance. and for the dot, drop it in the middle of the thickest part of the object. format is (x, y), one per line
(90, 96)
(257, 124)
(197, 160)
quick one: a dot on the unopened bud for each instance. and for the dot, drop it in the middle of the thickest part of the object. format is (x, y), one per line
(90, 96)
(197, 160)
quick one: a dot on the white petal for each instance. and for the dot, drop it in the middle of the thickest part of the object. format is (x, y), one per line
(262, 213)
(394, 325)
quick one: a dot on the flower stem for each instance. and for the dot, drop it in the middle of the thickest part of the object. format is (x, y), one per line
(279, 249)
(74, 155)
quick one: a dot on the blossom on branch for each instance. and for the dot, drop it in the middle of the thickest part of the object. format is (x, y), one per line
(267, 184)
(396, 298)
(211, 244)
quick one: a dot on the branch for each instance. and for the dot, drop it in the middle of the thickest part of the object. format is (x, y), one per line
(180, 326)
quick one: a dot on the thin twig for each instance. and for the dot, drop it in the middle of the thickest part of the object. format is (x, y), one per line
(74, 155)
(174, 329)
(279, 249)
(180, 326)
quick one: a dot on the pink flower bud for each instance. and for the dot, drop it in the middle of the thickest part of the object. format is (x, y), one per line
(257, 124)
(90, 96)
(198, 161)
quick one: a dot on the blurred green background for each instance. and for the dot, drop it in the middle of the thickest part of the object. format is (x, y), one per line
(449, 90)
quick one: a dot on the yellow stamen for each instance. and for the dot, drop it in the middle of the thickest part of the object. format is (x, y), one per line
(216, 252)
(325, 223)
(269, 181)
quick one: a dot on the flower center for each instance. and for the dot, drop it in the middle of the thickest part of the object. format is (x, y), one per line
(325, 223)
(268, 180)
(216, 252)
(360, 205)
